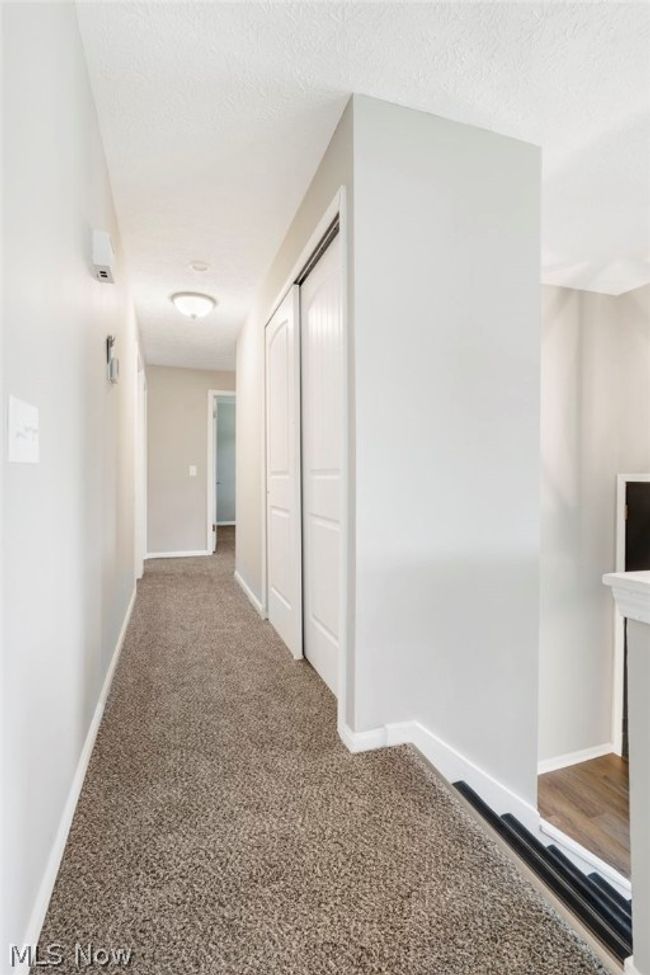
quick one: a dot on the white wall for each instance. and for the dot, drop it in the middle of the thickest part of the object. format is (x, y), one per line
(177, 433)
(595, 425)
(68, 543)
(446, 321)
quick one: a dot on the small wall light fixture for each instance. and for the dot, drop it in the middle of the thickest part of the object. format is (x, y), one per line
(192, 304)
(112, 363)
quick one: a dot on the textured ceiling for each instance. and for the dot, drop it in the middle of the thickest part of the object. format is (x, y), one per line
(215, 116)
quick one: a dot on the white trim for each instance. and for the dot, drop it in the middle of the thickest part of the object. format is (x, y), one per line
(46, 887)
(250, 594)
(451, 764)
(586, 860)
(619, 656)
(140, 465)
(338, 206)
(574, 758)
(345, 707)
(226, 524)
(362, 741)
(630, 968)
(178, 555)
(631, 590)
(455, 766)
(211, 468)
(334, 208)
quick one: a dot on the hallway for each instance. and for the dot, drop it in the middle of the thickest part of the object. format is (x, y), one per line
(224, 828)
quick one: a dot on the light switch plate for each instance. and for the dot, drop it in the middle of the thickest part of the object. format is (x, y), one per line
(192, 470)
(22, 439)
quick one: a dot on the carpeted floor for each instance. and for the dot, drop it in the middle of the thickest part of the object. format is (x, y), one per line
(224, 828)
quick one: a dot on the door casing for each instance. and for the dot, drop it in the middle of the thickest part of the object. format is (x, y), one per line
(337, 207)
(211, 467)
(622, 481)
(141, 480)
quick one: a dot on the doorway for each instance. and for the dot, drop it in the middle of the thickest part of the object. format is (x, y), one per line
(140, 465)
(632, 555)
(221, 464)
(588, 801)
(305, 422)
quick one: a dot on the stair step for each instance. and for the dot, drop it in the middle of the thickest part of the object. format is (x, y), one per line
(600, 893)
(613, 929)
(615, 895)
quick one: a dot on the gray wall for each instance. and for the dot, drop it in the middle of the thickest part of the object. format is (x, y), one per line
(226, 456)
(595, 425)
(177, 433)
(68, 545)
(335, 170)
(446, 321)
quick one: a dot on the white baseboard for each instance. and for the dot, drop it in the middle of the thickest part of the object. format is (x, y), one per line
(451, 764)
(178, 555)
(574, 758)
(630, 968)
(585, 859)
(250, 594)
(455, 766)
(226, 524)
(56, 853)
(362, 741)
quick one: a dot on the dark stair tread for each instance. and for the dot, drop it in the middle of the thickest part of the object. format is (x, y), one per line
(609, 889)
(622, 907)
(613, 930)
(598, 901)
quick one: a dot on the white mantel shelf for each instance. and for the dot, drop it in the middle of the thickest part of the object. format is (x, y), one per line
(631, 591)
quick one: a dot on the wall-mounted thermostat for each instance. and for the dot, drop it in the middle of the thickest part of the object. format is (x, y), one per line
(103, 256)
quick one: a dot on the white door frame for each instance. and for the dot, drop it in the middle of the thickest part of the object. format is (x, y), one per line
(619, 626)
(211, 467)
(141, 482)
(345, 719)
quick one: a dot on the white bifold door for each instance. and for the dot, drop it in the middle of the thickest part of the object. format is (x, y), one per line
(283, 489)
(321, 330)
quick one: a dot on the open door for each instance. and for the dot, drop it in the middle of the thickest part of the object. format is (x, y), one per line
(283, 488)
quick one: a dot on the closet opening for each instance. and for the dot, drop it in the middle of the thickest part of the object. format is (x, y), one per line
(305, 460)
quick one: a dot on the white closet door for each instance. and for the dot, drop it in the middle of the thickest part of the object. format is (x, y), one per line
(322, 444)
(283, 521)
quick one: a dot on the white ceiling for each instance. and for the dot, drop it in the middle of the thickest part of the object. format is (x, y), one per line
(215, 116)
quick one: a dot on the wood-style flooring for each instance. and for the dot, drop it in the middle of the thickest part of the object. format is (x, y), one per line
(589, 802)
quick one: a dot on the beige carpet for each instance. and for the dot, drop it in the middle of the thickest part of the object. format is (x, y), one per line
(224, 828)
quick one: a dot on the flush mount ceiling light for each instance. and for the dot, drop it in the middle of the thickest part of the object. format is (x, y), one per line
(193, 305)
